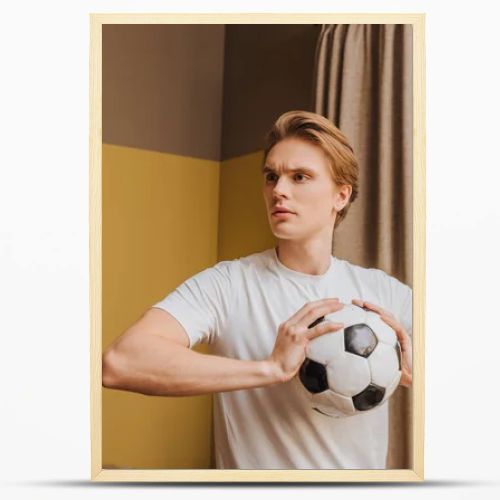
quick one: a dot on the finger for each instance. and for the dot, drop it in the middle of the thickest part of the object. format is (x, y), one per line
(357, 302)
(369, 305)
(401, 333)
(388, 318)
(306, 308)
(316, 312)
(406, 379)
(322, 328)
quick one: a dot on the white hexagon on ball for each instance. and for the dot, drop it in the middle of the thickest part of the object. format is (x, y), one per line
(348, 374)
(325, 347)
(350, 314)
(384, 365)
(392, 387)
(333, 404)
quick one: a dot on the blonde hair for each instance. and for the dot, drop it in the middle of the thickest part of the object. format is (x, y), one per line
(321, 132)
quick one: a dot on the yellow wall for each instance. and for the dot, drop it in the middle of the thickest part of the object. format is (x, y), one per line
(161, 225)
(243, 226)
(160, 216)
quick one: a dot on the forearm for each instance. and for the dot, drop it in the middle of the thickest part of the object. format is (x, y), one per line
(163, 368)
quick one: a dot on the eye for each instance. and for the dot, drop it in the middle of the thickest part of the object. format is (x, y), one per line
(269, 175)
(299, 177)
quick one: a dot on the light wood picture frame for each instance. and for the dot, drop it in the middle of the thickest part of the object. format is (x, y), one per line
(98, 473)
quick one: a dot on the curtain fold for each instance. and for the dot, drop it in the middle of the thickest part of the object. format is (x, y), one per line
(363, 83)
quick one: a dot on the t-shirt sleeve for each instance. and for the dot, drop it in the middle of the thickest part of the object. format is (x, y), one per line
(202, 303)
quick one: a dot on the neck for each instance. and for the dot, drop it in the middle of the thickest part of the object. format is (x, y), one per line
(312, 257)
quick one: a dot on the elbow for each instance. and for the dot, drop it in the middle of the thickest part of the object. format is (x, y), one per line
(110, 370)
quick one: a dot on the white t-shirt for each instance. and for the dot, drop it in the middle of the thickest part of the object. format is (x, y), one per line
(237, 307)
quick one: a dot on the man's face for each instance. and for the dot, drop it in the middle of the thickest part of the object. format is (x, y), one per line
(297, 178)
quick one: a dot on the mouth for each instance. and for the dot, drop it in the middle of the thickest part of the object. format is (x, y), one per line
(280, 209)
(282, 214)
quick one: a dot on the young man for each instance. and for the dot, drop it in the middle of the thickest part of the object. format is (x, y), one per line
(255, 311)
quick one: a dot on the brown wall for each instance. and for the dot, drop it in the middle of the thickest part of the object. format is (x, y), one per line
(268, 69)
(162, 87)
(207, 91)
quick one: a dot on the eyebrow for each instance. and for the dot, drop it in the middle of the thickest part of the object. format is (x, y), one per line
(266, 169)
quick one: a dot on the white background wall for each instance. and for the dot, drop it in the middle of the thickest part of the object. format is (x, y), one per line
(44, 321)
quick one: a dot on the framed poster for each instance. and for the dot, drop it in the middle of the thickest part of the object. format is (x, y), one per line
(180, 105)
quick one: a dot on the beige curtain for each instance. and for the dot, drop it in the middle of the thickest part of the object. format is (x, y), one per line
(363, 83)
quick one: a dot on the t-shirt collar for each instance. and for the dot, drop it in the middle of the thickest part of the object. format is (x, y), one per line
(282, 269)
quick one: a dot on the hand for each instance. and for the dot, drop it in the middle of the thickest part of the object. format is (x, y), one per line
(403, 339)
(294, 334)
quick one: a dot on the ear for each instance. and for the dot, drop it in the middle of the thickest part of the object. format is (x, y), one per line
(342, 196)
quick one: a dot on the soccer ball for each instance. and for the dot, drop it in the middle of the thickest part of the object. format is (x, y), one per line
(352, 370)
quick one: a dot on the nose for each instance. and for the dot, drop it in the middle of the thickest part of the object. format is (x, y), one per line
(280, 188)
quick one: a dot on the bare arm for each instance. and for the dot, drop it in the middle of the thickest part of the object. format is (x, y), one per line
(152, 357)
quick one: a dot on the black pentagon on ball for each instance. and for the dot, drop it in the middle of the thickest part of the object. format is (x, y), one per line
(313, 376)
(316, 322)
(359, 339)
(368, 398)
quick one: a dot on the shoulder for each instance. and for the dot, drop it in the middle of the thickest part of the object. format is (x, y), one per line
(389, 290)
(254, 261)
(231, 269)
(370, 275)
